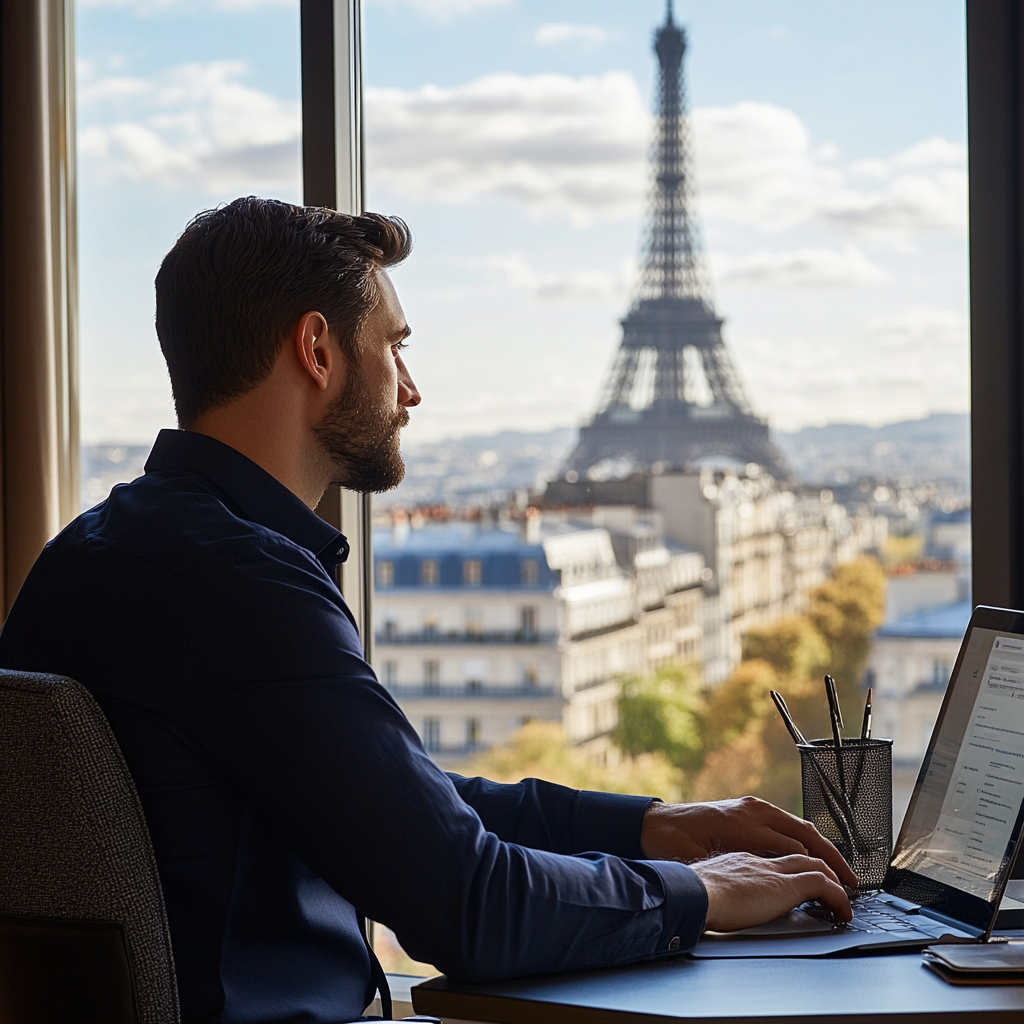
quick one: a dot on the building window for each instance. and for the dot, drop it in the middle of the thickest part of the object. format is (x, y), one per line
(528, 619)
(430, 573)
(474, 621)
(390, 629)
(472, 732)
(530, 573)
(390, 673)
(432, 733)
(385, 574)
(530, 675)
(432, 675)
(430, 624)
(472, 572)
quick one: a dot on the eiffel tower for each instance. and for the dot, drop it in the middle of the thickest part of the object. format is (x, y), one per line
(673, 396)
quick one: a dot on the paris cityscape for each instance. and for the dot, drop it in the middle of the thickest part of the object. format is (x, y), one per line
(601, 589)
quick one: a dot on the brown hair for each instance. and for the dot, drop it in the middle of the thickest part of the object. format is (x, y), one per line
(241, 277)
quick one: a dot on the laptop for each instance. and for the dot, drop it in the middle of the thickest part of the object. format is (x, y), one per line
(961, 833)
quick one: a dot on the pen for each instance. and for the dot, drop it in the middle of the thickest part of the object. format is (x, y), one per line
(865, 728)
(837, 739)
(833, 700)
(787, 718)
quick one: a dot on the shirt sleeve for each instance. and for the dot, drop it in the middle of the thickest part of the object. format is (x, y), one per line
(546, 816)
(296, 718)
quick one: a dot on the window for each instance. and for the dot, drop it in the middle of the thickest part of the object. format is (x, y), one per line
(390, 673)
(390, 629)
(431, 675)
(432, 734)
(430, 573)
(472, 732)
(385, 574)
(528, 620)
(530, 574)
(530, 675)
(474, 621)
(472, 572)
(430, 622)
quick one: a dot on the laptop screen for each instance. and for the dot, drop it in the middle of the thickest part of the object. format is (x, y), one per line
(965, 817)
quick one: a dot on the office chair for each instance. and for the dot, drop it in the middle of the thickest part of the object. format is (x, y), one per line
(83, 932)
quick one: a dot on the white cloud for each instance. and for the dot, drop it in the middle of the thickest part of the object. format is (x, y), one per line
(927, 330)
(445, 10)
(799, 268)
(757, 167)
(575, 286)
(902, 366)
(196, 124)
(555, 33)
(157, 6)
(557, 145)
(577, 147)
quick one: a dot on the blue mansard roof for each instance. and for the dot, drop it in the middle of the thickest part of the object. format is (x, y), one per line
(500, 552)
(946, 622)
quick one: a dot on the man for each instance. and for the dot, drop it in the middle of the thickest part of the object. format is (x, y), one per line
(285, 791)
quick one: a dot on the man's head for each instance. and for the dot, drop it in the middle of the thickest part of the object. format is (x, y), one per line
(246, 282)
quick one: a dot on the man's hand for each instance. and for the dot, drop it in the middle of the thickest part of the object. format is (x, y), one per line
(693, 832)
(744, 889)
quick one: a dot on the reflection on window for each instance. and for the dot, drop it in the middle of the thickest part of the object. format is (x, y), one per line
(430, 572)
(471, 572)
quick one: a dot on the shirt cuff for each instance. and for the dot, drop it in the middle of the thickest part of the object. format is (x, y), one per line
(609, 823)
(685, 909)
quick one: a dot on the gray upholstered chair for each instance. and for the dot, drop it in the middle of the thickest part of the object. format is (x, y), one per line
(83, 932)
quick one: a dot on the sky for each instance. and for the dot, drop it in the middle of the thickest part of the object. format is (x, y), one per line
(513, 137)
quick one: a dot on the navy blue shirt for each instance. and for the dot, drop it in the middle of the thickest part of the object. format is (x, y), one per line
(284, 789)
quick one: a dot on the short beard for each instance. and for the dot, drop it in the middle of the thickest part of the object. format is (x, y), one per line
(361, 439)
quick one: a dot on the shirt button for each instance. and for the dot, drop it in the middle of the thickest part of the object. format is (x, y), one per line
(674, 943)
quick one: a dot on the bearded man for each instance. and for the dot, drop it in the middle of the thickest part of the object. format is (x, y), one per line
(286, 793)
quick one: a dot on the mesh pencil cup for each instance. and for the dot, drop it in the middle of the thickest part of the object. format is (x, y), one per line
(857, 819)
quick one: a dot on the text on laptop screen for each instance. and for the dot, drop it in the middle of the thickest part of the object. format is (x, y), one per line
(959, 827)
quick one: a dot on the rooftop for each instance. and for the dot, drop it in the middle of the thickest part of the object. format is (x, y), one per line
(947, 621)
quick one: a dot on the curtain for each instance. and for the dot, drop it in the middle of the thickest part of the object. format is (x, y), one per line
(39, 451)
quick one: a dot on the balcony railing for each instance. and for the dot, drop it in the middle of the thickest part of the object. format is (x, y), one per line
(500, 636)
(472, 691)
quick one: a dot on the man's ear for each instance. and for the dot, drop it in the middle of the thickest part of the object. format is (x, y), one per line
(314, 353)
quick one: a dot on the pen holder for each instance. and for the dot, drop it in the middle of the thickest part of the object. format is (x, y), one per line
(851, 807)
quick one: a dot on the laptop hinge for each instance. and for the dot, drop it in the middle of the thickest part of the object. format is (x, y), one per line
(970, 929)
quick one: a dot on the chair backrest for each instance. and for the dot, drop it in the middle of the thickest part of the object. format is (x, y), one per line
(77, 869)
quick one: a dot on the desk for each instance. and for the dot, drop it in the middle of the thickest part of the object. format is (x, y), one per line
(861, 990)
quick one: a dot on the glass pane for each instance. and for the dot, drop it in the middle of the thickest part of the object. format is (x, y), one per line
(180, 107)
(810, 221)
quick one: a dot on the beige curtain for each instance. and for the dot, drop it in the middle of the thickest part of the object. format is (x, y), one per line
(39, 457)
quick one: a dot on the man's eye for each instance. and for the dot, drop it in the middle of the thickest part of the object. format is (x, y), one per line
(398, 346)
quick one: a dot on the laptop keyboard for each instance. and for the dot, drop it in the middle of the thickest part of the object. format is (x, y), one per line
(872, 915)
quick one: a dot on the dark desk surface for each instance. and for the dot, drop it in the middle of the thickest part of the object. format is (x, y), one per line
(861, 990)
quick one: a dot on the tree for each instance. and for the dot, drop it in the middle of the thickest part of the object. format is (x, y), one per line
(663, 713)
(846, 610)
(539, 750)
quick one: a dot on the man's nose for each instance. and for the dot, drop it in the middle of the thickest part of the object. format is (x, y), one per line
(408, 393)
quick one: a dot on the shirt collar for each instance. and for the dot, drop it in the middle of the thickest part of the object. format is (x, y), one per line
(255, 493)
